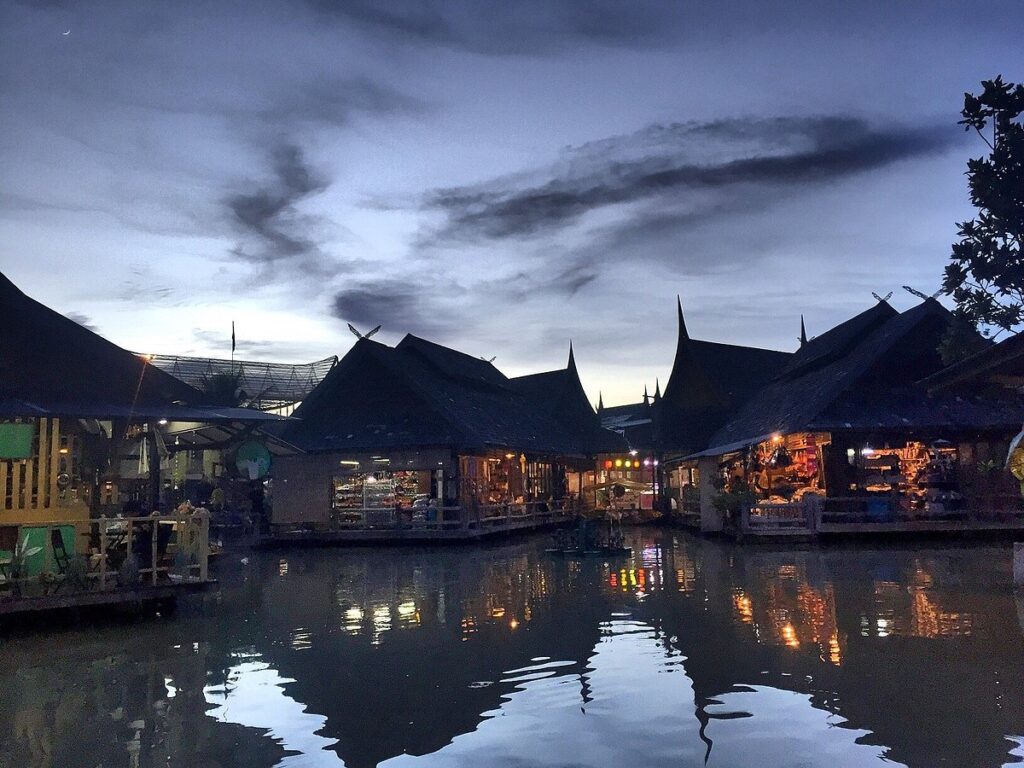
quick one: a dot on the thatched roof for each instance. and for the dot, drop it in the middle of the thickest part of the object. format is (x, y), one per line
(419, 394)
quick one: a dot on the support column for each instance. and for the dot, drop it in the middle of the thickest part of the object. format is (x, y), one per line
(154, 471)
(710, 518)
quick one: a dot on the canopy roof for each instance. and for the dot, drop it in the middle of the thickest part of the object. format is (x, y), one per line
(266, 385)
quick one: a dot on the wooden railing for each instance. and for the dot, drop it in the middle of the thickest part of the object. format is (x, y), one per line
(797, 516)
(817, 514)
(468, 517)
(107, 553)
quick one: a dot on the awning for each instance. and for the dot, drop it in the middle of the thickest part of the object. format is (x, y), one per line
(202, 413)
(185, 436)
(721, 450)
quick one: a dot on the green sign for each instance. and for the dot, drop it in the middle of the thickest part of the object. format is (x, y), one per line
(16, 441)
(252, 460)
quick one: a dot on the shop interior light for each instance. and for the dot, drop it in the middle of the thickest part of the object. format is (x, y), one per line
(867, 450)
(510, 455)
(162, 422)
(633, 452)
(349, 463)
(655, 462)
(777, 438)
(647, 462)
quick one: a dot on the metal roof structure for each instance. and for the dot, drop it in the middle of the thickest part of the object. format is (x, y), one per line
(265, 385)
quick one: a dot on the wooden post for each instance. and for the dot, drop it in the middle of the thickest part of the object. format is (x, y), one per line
(103, 553)
(204, 546)
(153, 554)
(48, 553)
(1018, 564)
(128, 538)
(154, 471)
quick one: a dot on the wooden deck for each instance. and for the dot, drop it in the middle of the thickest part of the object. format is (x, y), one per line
(104, 563)
(132, 597)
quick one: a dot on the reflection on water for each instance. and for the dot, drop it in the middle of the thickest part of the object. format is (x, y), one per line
(689, 653)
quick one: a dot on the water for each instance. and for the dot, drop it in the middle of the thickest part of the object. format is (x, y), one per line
(691, 653)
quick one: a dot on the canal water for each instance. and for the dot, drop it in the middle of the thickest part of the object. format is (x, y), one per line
(689, 653)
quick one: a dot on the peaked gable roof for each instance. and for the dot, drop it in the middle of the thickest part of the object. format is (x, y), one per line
(707, 380)
(838, 340)
(420, 394)
(817, 392)
(709, 374)
(559, 394)
(57, 365)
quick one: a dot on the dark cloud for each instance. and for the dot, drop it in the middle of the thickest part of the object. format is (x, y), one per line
(399, 306)
(511, 28)
(145, 287)
(709, 166)
(273, 231)
(326, 100)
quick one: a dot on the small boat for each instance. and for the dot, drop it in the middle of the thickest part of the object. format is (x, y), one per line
(590, 538)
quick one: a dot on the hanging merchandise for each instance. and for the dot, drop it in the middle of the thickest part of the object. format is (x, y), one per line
(1015, 459)
(753, 460)
(780, 458)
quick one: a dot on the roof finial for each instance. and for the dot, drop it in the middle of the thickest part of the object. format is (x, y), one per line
(600, 401)
(803, 332)
(646, 396)
(682, 323)
(657, 390)
(572, 358)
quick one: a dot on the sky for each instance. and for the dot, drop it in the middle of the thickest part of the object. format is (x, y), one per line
(500, 178)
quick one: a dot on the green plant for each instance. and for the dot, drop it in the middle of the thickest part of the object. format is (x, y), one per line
(22, 552)
(734, 497)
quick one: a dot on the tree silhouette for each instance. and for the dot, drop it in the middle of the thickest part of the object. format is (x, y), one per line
(985, 275)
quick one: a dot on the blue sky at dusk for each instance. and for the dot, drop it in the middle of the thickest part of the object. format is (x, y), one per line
(496, 177)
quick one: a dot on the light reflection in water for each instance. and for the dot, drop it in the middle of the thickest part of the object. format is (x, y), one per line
(689, 650)
(254, 696)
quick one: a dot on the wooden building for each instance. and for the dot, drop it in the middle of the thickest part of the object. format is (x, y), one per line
(72, 405)
(709, 381)
(851, 436)
(425, 434)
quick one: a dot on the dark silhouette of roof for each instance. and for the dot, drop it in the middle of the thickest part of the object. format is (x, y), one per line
(839, 340)
(559, 394)
(420, 394)
(708, 380)
(864, 376)
(53, 364)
